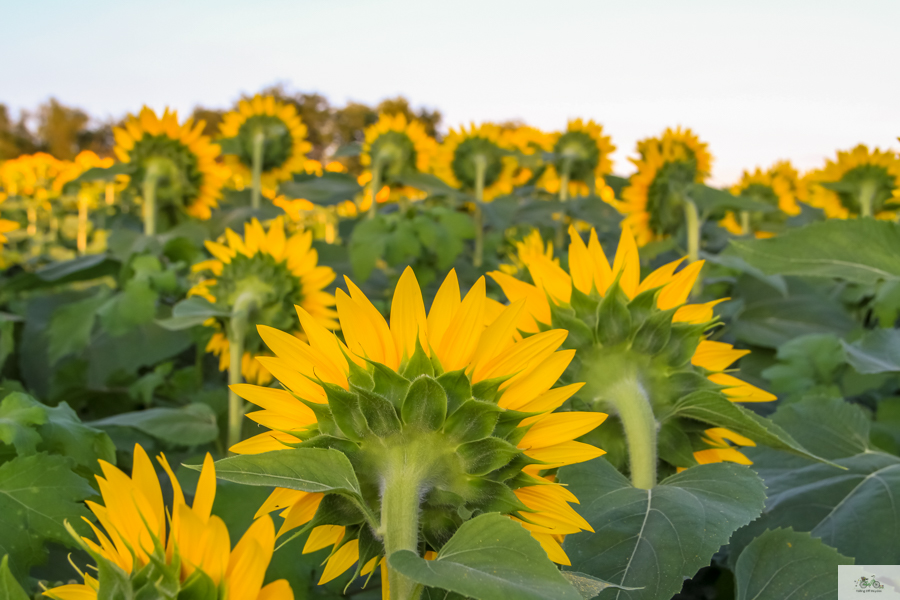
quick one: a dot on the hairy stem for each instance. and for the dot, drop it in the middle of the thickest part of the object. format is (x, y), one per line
(151, 180)
(480, 169)
(376, 187)
(400, 497)
(630, 400)
(259, 140)
(745, 222)
(237, 332)
(867, 197)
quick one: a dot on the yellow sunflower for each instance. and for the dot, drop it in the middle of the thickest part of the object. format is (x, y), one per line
(393, 147)
(464, 151)
(281, 271)
(525, 249)
(285, 145)
(87, 196)
(432, 387)
(532, 144)
(582, 156)
(653, 201)
(779, 186)
(860, 183)
(180, 156)
(610, 306)
(28, 182)
(134, 538)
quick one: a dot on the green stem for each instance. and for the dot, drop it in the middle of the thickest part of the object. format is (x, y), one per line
(259, 139)
(745, 222)
(866, 198)
(151, 180)
(563, 197)
(237, 332)
(692, 219)
(480, 169)
(376, 186)
(401, 488)
(630, 401)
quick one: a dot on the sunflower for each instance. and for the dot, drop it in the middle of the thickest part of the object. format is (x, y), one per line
(285, 145)
(394, 147)
(654, 198)
(778, 187)
(532, 144)
(430, 390)
(180, 155)
(87, 195)
(281, 270)
(860, 183)
(525, 249)
(631, 332)
(462, 151)
(197, 549)
(582, 154)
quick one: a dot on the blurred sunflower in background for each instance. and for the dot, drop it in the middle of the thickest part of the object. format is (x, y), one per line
(27, 183)
(581, 158)
(531, 144)
(778, 187)
(86, 197)
(393, 147)
(175, 167)
(280, 272)
(271, 128)
(477, 158)
(654, 201)
(860, 183)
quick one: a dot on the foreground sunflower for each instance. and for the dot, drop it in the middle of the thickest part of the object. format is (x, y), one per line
(143, 542)
(442, 415)
(175, 166)
(640, 347)
(477, 160)
(257, 279)
(860, 183)
(394, 147)
(656, 201)
(778, 187)
(270, 143)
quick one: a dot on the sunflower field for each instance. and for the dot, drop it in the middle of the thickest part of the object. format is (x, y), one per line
(478, 365)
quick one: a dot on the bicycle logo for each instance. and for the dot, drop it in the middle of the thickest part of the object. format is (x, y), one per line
(869, 582)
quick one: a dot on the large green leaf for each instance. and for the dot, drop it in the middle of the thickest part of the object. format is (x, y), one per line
(653, 539)
(717, 410)
(783, 563)
(19, 418)
(489, 558)
(9, 587)
(367, 245)
(834, 503)
(776, 320)
(426, 182)
(878, 351)
(142, 346)
(191, 425)
(304, 469)
(710, 199)
(191, 312)
(71, 326)
(37, 494)
(83, 268)
(330, 188)
(859, 250)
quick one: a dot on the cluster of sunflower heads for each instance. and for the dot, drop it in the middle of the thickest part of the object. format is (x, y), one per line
(463, 444)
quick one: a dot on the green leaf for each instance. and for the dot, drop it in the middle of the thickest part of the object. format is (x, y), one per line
(832, 503)
(191, 425)
(327, 190)
(588, 586)
(367, 245)
(304, 469)
(133, 306)
(71, 326)
(146, 345)
(431, 184)
(878, 351)
(351, 149)
(191, 312)
(19, 415)
(37, 494)
(83, 268)
(776, 320)
(784, 563)
(9, 587)
(858, 250)
(715, 409)
(654, 539)
(710, 199)
(490, 557)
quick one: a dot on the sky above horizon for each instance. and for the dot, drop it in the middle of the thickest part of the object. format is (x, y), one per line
(759, 81)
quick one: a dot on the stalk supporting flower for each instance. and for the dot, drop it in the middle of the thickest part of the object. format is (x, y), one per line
(259, 140)
(480, 170)
(640, 348)
(148, 188)
(375, 187)
(692, 220)
(860, 183)
(565, 169)
(246, 303)
(144, 542)
(442, 414)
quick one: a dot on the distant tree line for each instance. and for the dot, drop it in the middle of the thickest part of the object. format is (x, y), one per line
(64, 131)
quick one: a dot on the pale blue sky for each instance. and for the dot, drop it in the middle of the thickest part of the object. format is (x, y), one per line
(759, 80)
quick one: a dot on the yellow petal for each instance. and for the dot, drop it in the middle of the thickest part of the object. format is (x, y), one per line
(696, 313)
(603, 274)
(552, 399)
(565, 453)
(660, 276)
(302, 512)
(345, 557)
(277, 590)
(741, 391)
(550, 277)
(461, 338)
(556, 428)
(250, 558)
(715, 356)
(322, 536)
(523, 354)
(628, 263)
(265, 442)
(206, 489)
(145, 479)
(408, 321)
(717, 455)
(389, 349)
(581, 266)
(498, 337)
(279, 498)
(538, 308)
(278, 401)
(529, 385)
(676, 293)
(72, 592)
(446, 302)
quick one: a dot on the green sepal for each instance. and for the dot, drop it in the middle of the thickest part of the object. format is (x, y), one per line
(346, 412)
(684, 383)
(425, 405)
(488, 389)
(389, 384)
(369, 547)
(675, 445)
(324, 416)
(683, 342)
(507, 426)
(613, 317)
(198, 586)
(491, 496)
(585, 307)
(580, 334)
(379, 413)
(358, 376)
(643, 305)
(439, 525)
(473, 420)
(457, 387)
(335, 509)
(483, 456)
(654, 334)
(418, 364)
